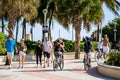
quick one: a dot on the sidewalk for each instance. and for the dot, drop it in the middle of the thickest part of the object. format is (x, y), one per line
(73, 70)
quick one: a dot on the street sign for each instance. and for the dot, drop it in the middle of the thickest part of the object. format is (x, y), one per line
(45, 29)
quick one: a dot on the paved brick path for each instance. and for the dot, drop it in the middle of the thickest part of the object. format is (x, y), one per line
(73, 70)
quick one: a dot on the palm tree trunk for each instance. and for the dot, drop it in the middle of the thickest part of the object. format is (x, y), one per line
(25, 30)
(49, 31)
(2, 24)
(98, 31)
(77, 26)
(31, 31)
(17, 28)
(23, 33)
(77, 42)
(11, 25)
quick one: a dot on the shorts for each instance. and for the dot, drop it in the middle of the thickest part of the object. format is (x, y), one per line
(105, 49)
(21, 53)
(88, 54)
(10, 55)
(46, 54)
(57, 54)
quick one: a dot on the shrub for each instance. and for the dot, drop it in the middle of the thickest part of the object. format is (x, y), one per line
(31, 46)
(70, 45)
(2, 42)
(114, 59)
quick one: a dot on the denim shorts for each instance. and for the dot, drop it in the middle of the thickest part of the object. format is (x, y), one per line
(46, 54)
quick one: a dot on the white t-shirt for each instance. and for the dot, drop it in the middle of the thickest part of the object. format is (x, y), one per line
(100, 45)
(47, 46)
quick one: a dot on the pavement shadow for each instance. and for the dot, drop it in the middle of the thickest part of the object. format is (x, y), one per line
(3, 67)
(94, 72)
(80, 61)
(50, 70)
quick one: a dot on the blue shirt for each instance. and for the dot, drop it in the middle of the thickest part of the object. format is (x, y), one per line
(10, 45)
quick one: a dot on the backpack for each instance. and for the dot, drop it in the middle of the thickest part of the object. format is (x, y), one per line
(87, 46)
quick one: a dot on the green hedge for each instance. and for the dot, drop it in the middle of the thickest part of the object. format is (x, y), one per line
(2, 42)
(31, 45)
(114, 59)
(69, 46)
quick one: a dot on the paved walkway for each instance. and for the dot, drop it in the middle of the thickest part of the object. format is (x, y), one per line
(73, 70)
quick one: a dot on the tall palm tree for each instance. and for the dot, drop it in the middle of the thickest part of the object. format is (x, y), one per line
(30, 12)
(87, 12)
(32, 22)
(76, 13)
(52, 8)
(17, 27)
(2, 24)
(16, 8)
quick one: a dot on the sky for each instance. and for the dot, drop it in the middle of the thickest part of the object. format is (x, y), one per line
(58, 30)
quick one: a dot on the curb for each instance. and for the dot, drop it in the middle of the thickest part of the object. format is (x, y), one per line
(110, 71)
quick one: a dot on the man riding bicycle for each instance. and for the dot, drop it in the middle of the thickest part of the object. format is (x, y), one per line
(87, 49)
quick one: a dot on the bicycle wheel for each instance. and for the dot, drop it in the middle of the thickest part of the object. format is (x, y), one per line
(55, 65)
(85, 65)
(96, 56)
(61, 62)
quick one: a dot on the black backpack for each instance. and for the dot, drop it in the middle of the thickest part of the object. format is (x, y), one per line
(87, 46)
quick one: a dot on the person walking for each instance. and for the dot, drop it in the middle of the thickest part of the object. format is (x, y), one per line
(10, 45)
(106, 47)
(100, 46)
(47, 47)
(22, 53)
(38, 53)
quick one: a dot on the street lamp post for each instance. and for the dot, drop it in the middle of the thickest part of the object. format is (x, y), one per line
(100, 32)
(114, 42)
(45, 27)
(115, 30)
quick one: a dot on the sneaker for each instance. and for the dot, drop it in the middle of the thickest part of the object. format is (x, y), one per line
(48, 65)
(51, 61)
(40, 65)
(44, 66)
(19, 67)
(22, 67)
(9, 67)
(37, 66)
(83, 60)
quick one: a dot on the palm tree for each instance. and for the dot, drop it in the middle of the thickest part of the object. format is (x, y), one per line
(82, 12)
(16, 8)
(76, 13)
(17, 27)
(30, 12)
(2, 25)
(32, 22)
(52, 8)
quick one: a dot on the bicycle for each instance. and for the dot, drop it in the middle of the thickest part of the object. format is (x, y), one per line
(98, 54)
(86, 61)
(58, 61)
